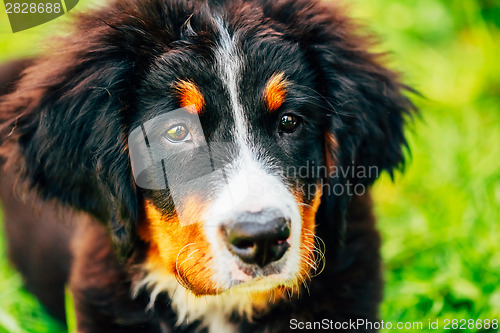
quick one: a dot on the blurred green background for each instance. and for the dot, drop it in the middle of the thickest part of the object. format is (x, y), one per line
(440, 219)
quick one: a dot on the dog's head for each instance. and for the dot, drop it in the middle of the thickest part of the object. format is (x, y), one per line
(211, 133)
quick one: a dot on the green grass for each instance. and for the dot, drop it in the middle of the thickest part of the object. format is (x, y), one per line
(20, 311)
(440, 219)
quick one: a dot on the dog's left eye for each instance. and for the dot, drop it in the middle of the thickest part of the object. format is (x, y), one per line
(177, 133)
(288, 123)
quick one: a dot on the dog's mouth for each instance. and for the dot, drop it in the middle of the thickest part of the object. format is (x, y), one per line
(243, 272)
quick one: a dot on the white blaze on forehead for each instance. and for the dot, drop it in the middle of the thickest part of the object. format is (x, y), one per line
(248, 186)
(248, 182)
(229, 64)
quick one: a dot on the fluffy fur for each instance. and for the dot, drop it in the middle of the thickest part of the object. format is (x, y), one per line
(74, 214)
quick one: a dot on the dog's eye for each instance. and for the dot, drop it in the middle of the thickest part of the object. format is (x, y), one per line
(177, 133)
(288, 123)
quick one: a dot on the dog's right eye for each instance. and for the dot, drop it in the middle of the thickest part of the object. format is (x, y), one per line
(177, 133)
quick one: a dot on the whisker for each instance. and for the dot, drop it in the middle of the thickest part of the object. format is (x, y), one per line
(180, 279)
(318, 251)
(307, 288)
(304, 204)
(189, 256)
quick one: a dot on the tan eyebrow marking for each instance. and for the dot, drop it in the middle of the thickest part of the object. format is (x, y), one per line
(189, 95)
(275, 91)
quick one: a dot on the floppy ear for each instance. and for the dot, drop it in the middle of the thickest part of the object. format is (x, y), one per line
(365, 135)
(72, 142)
(366, 127)
(367, 101)
(69, 117)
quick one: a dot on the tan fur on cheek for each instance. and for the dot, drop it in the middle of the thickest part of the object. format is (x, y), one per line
(310, 259)
(180, 251)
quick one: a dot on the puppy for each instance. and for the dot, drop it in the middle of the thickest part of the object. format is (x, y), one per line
(201, 165)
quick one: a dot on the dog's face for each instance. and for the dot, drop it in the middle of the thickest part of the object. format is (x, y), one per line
(249, 222)
(248, 106)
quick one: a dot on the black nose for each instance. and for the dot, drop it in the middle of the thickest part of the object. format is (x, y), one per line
(258, 238)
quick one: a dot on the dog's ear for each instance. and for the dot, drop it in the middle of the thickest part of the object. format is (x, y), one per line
(369, 106)
(366, 128)
(72, 141)
(69, 117)
(368, 111)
